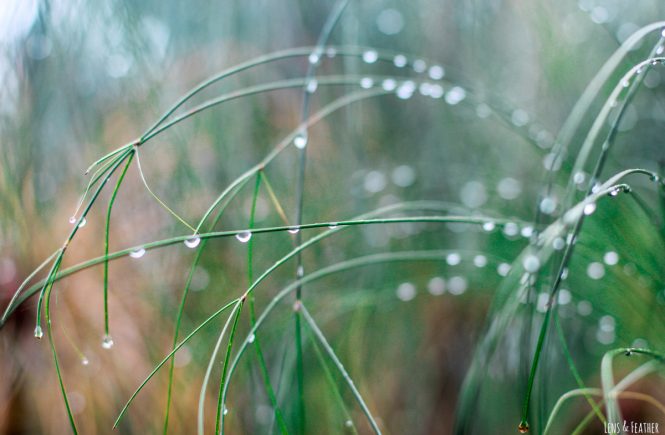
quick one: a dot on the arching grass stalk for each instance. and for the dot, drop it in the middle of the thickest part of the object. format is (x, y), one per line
(321, 273)
(106, 243)
(265, 376)
(339, 366)
(183, 300)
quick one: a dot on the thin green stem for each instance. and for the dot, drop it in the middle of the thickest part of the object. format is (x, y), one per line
(221, 405)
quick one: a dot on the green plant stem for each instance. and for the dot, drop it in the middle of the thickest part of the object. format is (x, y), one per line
(223, 380)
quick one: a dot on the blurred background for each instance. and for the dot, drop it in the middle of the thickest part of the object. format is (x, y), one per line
(79, 79)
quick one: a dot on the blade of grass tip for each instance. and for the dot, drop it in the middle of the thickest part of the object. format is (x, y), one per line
(56, 264)
(106, 243)
(586, 392)
(183, 300)
(223, 379)
(211, 362)
(348, 422)
(25, 282)
(169, 356)
(340, 367)
(265, 376)
(328, 26)
(166, 207)
(573, 369)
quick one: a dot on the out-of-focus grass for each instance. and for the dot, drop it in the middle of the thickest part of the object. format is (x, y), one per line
(79, 80)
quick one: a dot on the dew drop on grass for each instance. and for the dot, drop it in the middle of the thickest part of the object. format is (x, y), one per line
(314, 58)
(436, 286)
(595, 270)
(589, 208)
(548, 205)
(405, 90)
(480, 261)
(366, 83)
(419, 65)
(72, 220)
(300, 141)
(389, 85)
(615, 192)
(348, 423)
(332, 225)
(489, 226)
(453, 259)
(611, 258)
(457, 285)
(531, 263)
(294, 230)
(503, 269)
(85, 361)
(584, 308)
(406, 291)
(400, 61)
(226, 410)
(83, 222)
(193, 242)
(510, 229)
(39, 333)
(436, 91)
(455, 95)
(244, 236)
(312, 85)
(107, 342)
(436, 72)
(137, 253)
(558, 243)
(251, 338)
(370, 56)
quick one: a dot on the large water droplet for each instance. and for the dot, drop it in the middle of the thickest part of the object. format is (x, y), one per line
(294, 230)
(193, 242)
(83, 222)
(589, 208)
(107, 342)
(39, 333)
(370, 56)
(137, 253)
(244, 236)
(300, 141)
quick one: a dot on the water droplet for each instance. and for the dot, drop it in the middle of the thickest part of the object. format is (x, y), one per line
(406, 291)
(83, 222)
(400, 61)
(523, 427)
(510, 229)
(300, 141)
(294, 230)
(314, 58)
(107, 342)
(509, 188)
(370, 56)
(457, 285)
(436, 286)
(312, 85)
(579, 178)
(85, 361)
(226, 410)
(244, 236)
(39, 333)
(300, 272)
(193, 242)
(455, 95)
(503, 269)
(137, 253)
(564, 297)
(531, 263)
(389, 85)
(489, 226)
(436, 91)
(405, 90)
(548, 205)
(615, 192)
(595, 270)
(331, 52)
(419, 65)
(584, 308)
(403, 176)
(348, 423)
(558, 243)
(332, 225)
(480, 261)
(527, 231)
(589, 208)
(453, 259)
(72, 220)
(366, 83)
(611, 258)
(251, 338)
(520, 118)
(625, 83)
(436, 72)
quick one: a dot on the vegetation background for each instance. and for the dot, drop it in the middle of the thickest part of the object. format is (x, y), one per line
(79, 79)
